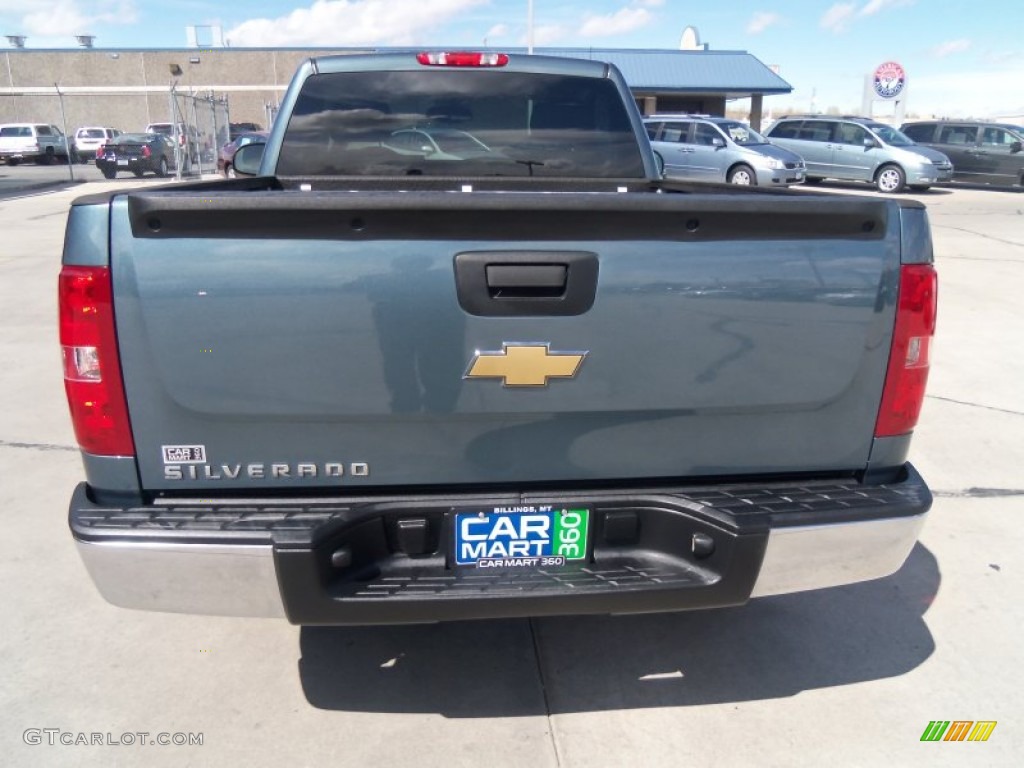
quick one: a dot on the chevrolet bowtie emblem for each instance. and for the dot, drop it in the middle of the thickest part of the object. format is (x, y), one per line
(525, 365)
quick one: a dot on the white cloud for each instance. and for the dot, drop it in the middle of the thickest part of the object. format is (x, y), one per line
(498, 30)
(51, 19)
(980, 93)
(648, 3)
(841, 15)
(951, 46)
(1000, 58)
(760, 21)
(352, 22)
(547, 34)
(874, 6)
(609, 25)
(838, 17)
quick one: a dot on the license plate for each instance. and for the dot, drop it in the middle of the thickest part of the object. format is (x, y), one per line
(522, 536)
(122, 162)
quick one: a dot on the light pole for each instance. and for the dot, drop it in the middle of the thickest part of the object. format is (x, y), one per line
(67, 141)
(172, 93)
(529, 26)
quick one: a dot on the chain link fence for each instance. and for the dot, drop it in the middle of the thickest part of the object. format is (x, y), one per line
(270, 114)
(198, 123)
(202, 126)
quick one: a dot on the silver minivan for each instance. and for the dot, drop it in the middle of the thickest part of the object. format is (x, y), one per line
(717, 149)
(860, 149)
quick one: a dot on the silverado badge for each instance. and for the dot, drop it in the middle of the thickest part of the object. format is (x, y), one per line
(525, 365)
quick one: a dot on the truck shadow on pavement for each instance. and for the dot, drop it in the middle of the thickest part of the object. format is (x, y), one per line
(771, 648)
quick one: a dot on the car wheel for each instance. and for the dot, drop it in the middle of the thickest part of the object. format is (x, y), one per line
(743, 175)
(890, 179)
(13, 161)
(162, 170)
(109, 173)
(137, 172)
(229, 171)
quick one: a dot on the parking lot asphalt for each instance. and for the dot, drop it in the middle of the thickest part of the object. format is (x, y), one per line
(29, 178)
(846, 677)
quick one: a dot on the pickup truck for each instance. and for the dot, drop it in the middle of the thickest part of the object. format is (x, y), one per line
(41, 142)
(388, 380)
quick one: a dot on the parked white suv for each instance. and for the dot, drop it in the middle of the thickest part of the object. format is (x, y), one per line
(88, 139)
(32, 141)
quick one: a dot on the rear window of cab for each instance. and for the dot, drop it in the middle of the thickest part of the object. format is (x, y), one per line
(359, 123)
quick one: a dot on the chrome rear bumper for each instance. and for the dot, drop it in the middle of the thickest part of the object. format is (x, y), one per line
(770, 541)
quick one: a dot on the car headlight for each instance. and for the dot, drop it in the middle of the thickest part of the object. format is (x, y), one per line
(775, 165)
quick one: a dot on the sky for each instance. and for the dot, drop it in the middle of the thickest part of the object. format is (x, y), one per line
(962, 57)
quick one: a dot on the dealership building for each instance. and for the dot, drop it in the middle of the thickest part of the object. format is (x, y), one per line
(130, 88)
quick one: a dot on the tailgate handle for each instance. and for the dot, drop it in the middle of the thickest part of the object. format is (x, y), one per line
(521, 281)
(526, 283)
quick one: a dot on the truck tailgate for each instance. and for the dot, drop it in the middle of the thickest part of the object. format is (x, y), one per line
(287, 340)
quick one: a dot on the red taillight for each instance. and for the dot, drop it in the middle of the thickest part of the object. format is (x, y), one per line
(462, 59)
(101, 151)
(92, 372)
(910, 356)
(146, 151)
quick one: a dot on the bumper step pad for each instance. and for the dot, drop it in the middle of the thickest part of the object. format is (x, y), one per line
(626, 574)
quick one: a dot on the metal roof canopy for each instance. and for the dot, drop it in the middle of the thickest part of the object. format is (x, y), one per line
(734, 74)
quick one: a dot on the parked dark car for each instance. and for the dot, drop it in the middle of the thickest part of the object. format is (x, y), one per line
(982, 153)
(138, 153)
(226, 156)
(187, 137)
(237, 129)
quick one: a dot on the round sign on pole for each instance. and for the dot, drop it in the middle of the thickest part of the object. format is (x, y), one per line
(890, 79)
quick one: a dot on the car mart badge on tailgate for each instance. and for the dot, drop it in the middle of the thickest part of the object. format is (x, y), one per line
(521, 536)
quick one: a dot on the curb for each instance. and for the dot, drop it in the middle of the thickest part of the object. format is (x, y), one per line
(15, 189)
